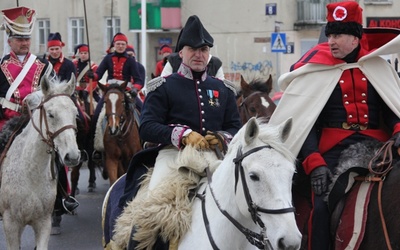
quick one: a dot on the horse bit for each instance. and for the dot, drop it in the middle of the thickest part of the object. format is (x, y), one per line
(49, 138)
(260, 240)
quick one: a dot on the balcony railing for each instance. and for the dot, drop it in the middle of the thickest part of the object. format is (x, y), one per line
(311, 12)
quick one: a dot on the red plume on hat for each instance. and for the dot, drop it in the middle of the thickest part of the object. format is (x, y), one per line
(344, 18)
(54, 40)
(18, 22)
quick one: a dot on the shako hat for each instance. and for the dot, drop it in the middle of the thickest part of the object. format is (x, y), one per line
(344, 18)
(18, 22)
(120, 37)
(54, 40)
(194, 34)
(165, 48)
(80, 48)
(130, 47)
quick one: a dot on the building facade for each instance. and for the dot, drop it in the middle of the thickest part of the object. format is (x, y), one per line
(247, 34)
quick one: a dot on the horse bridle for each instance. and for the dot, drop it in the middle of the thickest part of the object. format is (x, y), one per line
(260, 240)
(122, 122)
(49, 136)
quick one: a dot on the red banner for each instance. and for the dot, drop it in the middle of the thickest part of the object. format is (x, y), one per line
(388, 22)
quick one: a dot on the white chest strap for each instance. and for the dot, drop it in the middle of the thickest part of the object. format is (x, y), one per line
(21, 76)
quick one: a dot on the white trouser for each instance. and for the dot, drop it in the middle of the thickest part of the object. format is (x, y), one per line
(161, 170)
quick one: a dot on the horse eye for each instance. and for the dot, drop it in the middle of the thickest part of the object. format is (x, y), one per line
(254, 177)
(253, 110)
(51, 115)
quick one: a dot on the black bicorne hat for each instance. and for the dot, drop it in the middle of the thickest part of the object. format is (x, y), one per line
(194, 34)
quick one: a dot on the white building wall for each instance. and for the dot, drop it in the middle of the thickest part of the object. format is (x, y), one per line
(241, 30)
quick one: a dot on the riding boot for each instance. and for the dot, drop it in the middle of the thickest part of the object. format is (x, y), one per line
(55, 224)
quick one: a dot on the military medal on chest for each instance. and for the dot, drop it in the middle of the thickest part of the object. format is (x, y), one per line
(213, 97)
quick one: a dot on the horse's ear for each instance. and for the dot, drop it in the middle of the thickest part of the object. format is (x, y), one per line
(123, 85)
(34, 99)
(103, 87)
(45, 85)
(244, 86)
(71, 85)
(252, 130)
(285, 128)
(269, 83)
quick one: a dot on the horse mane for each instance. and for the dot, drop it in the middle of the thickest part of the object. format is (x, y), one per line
(259, 85)
(9, 127)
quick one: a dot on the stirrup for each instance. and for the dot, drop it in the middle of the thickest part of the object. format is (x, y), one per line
(97, 156)
(70, 206)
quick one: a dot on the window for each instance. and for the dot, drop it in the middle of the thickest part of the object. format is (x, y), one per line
(77, 33)
(378, 1)
(43, 26)
(113, 26)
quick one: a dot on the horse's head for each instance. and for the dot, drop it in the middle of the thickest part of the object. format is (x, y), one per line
(254, 100)
(117, 106)
(54, 117)
(264, 168)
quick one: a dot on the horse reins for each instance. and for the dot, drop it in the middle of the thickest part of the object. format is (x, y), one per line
(49, 138)
(383, 168)
(260, 240)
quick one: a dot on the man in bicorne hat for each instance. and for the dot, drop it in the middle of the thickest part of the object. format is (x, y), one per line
(339, 93)
(181, 109)
(21, 71)
(173, 62)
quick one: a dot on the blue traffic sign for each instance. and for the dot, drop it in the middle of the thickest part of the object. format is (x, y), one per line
(278, 42)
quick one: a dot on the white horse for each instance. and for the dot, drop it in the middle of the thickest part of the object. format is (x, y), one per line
(246, 205)
(29, 179)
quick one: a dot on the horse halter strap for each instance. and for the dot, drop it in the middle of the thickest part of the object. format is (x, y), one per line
(260, 240)
(253, 208)
(49, 135)
(124, 128)
(244, 105)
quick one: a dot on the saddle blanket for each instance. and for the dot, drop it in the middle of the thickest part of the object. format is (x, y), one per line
(351, 227)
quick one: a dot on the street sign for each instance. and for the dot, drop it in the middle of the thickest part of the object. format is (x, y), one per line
(165, 40)
(278, 42)
(289, 48)
(270, 9)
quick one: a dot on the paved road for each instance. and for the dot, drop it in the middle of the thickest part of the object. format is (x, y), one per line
(78, 232)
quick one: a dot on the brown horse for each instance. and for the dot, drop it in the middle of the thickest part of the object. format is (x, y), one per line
(254, 100)
(376, 222)
(121, 135)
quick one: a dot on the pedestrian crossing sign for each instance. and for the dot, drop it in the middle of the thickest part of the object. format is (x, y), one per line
(278, 42)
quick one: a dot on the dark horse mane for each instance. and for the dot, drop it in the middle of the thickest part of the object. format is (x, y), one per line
(16, 122)
(258, 84)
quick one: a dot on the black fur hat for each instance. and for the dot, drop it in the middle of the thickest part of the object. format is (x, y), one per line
(194, 34)
(350, 28)
(344, 18)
